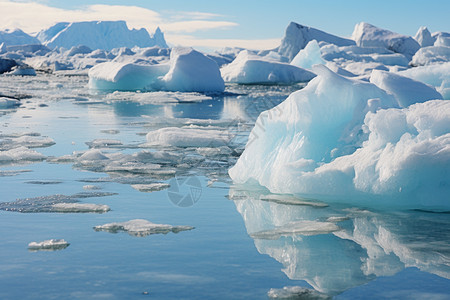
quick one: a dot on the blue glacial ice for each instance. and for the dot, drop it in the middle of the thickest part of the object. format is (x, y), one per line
(347, 140)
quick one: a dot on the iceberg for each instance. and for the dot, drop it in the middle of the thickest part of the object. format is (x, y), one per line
(191, 71)
(298, 36)
(407, 91)
(99, 35)
(337, 139)
(308, 56)
(187, 71)
(12, 37)
(141, 228)
(252, 69)
(114, 76)
(367, 35)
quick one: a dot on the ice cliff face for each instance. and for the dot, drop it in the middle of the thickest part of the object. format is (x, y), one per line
(298, 36)
(99, 35)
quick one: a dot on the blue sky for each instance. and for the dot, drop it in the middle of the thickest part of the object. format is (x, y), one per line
(261, 24)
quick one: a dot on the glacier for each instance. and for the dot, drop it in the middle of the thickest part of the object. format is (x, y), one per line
(343, 139)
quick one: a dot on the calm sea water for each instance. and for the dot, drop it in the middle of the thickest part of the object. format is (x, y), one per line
(375, 254)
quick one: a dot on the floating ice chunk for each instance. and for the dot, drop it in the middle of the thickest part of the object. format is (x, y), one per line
(20, 154)
(48, 245)
(26, 140)
(80, 208)
(188, 137)
(296, 292)
(423, 37)
(431, 55)
(152, 187)
(367, 35)
(320, 143)
(407, 91)
(306, 228)
(114, 76)
(215, 151)
(308, 56)
(141, 228)
(191, 71)
(252, 69)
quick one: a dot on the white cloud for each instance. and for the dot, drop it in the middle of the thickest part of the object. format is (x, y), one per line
(196, 25)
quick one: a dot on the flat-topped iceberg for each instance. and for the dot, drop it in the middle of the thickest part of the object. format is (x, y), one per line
(252, 69)
(336, 140)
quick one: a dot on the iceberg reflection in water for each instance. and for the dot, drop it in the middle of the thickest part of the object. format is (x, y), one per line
(363, 246)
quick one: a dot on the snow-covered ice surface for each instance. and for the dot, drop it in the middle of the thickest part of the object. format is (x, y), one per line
(164, 156)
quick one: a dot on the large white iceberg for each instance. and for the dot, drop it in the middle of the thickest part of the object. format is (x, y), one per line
(252, 69)
(187, 71)
(297, 37)
(334, 140)
(424, 38)
(99, 35)
(16, 37)
(367, 35)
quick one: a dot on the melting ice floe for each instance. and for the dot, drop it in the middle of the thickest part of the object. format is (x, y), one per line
(57, 203)
(141, 228)
(48, 245)
(335, 139)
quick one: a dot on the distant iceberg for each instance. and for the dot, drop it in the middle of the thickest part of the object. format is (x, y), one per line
(253, 69)
(338, 139)
(99, 35)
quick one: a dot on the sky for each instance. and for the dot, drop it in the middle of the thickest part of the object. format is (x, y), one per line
(235, 23)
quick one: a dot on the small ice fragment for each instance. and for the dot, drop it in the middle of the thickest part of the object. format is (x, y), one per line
(91, 187)
(141, 228)
(48, 245)
(296, 292)
(80, 208)
(152, 187)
